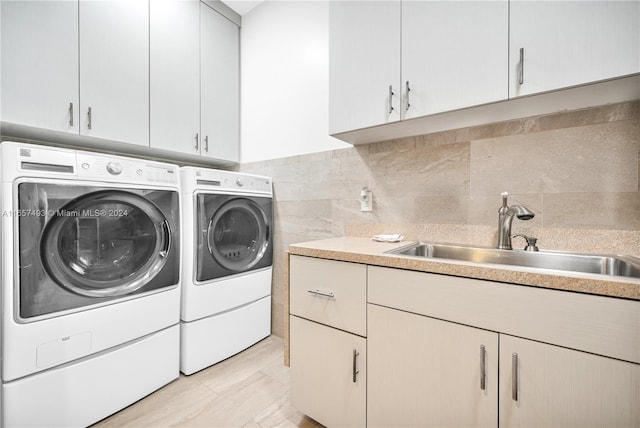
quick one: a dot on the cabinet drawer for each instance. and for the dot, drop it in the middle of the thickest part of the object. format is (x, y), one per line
(329, 292)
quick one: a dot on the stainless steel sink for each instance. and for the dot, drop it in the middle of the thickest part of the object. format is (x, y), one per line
(613, 265)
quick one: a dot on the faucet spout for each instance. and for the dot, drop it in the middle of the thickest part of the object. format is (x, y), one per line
(505, 219)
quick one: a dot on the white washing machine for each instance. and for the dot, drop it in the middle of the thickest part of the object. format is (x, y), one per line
(90, 283)
(227, 263)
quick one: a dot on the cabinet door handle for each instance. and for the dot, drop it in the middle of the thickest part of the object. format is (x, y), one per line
(70, 114)
(321, 293)
(355, 365)
(89, 118)
(514, 377)
(206, 143)
(408, 103)
(197, 141)
(521, 78)
(483, 371)
(390, 99)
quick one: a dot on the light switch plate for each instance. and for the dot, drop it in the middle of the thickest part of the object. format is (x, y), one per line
(366, 201)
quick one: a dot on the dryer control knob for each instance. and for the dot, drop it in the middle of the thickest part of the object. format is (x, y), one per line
(114, 168)
(239, 182)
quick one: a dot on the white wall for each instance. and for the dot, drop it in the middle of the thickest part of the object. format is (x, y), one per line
(284, 80)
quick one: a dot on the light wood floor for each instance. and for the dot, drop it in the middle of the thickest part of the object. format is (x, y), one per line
(250, 389)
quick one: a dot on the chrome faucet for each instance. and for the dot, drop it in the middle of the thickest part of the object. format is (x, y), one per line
(505, 217)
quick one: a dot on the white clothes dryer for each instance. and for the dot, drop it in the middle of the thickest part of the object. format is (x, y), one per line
(227, 260)
(90, 283)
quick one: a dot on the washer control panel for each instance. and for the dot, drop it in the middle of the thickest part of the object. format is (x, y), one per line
(119, 169)
(33, 160)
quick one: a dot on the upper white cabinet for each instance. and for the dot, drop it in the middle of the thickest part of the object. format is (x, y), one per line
(163, 74)
(391, 61)
(194, 77)
(40, 64)
(114, 70)
(364, 64)
(78, 67)
(219, 86)
(556, 44)
(175, 75)
(454, 55)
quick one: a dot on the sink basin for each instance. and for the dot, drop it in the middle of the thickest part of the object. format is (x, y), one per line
(612, 265)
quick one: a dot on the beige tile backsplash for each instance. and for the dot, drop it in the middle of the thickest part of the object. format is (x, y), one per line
(577, 170)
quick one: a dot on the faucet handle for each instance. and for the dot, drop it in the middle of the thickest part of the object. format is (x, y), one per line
(531, 242)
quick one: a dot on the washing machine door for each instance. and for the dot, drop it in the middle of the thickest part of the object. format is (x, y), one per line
(106, 243)
(236, 237)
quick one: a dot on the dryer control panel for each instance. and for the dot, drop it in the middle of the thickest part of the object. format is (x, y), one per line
(229, 181)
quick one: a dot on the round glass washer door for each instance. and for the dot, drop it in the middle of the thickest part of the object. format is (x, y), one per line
(238, 235)
(104, 244)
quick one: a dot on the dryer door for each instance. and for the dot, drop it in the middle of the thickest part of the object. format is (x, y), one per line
(106, 243)
(236, 235)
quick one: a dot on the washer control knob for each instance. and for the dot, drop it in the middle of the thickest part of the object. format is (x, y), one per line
(114, 168)
(239, 182)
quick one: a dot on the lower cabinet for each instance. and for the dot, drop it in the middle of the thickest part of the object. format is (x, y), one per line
(426, 372)
(430, 350)
(328, 373)
(549, 386)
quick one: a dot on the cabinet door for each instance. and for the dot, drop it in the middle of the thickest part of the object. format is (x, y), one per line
(328, 374)
(560, 387)
(568, 43)
(174, 75)
(364, 64)
(114, 70)
(220, 87)
(454, 55)
(423, 372)
(40, 64)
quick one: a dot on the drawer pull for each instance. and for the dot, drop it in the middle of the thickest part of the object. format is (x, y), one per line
(483, 372)
(322, 293)
(355, 365)
(390, 99)
(514, 377)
